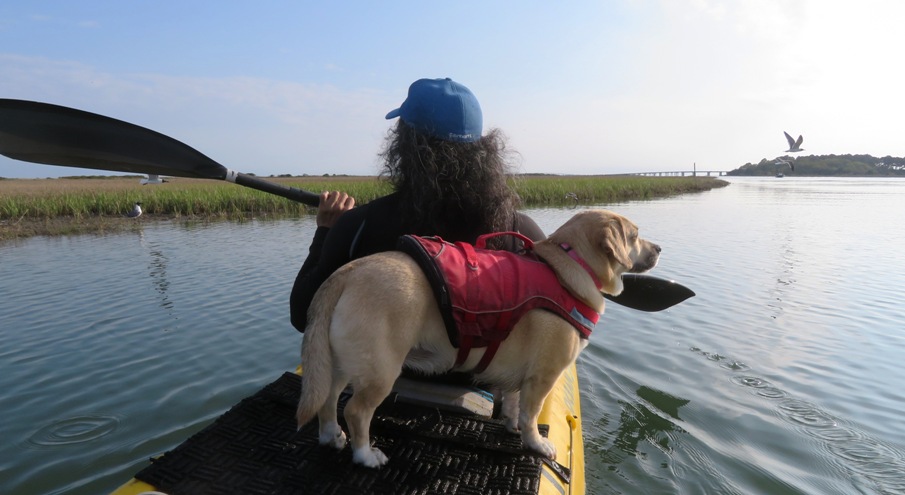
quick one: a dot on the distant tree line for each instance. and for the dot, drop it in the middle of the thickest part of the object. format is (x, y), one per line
(827, 165)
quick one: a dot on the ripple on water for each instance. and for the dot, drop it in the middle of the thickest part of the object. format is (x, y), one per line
(864, 450)
(735, 366)
(772, 393)
(714, 356)
(805, 413)
(839, 435)
(750, 381)
(874, 464)
(79, 429)
(762, 387)
(870, 463)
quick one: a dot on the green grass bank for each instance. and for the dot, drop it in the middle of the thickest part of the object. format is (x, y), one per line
(97, 205)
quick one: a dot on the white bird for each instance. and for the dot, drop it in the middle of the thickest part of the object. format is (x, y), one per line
(572, 195)
(794, 146)
(780, 161)
(136, 211)
(152, 179)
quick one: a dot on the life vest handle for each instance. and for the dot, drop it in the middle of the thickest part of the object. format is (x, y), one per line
(481, 242)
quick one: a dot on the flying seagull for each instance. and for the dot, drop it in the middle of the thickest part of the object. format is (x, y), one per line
(152, 179)
(136, 211)
(794, 146)
(780, 161)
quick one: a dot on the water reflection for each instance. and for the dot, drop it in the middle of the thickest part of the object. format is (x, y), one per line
(157, 269)
(785, 278)
(644, 421)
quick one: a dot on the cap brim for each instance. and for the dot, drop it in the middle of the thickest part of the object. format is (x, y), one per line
(394, 113)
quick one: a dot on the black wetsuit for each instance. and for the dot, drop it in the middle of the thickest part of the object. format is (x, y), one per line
(371, 228)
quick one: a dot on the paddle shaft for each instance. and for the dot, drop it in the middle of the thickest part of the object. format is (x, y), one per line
(299, 195)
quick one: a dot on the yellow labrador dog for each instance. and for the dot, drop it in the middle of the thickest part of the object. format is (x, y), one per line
(378, 314)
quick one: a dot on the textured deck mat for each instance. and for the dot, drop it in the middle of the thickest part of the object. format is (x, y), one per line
(254, 449)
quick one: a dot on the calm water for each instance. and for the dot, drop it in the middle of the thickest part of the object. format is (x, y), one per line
(783, 376)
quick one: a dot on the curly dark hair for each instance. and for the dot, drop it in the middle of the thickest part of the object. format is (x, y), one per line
(450, 189)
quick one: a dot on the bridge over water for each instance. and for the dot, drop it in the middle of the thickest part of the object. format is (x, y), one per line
(683, 173)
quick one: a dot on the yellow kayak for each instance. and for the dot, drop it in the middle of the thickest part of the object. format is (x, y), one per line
(253, 448)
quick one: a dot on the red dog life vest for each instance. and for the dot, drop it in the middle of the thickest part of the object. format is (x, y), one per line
(482, 293)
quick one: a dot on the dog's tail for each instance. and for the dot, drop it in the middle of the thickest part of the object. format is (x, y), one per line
(317, 355)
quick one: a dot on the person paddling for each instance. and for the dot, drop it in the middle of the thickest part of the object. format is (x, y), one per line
(449, 180)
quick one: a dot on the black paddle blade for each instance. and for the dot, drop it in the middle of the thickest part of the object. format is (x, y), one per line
(647, 293)
(55, 135)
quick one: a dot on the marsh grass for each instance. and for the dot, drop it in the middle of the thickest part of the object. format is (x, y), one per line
(78, 205)
(564, 190)
(78, 198)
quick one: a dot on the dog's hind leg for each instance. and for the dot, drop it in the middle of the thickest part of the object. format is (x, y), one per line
(358, 413)
(329, 431)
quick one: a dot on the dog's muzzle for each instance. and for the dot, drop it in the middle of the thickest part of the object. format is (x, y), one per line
(649, 261)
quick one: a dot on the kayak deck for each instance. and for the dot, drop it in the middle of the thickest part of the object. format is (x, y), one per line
(255, 448)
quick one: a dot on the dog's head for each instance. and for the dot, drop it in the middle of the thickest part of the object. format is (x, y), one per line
(609, 243)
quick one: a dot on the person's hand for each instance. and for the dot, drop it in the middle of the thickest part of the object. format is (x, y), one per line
(332, 205)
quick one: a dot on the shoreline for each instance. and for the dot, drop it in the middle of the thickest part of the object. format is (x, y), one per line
(96, 206)
(105, 225)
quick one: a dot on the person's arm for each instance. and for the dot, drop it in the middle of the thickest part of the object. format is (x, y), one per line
(316, 268)
(331, 206)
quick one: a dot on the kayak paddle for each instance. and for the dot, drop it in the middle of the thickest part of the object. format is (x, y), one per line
(55, 135)
(648, 293)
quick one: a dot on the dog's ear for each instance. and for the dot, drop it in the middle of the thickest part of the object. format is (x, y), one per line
(615, 243)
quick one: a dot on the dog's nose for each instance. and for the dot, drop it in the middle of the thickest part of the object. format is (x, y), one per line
(657, 248)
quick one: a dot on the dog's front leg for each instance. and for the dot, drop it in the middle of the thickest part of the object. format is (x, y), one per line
(509, 410)
(534, 392)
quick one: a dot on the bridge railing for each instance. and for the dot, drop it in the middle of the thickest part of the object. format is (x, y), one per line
(683, 173)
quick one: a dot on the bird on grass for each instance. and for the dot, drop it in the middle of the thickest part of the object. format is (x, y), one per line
(136, 211)
(572, 196)
(794, 146)
(152, 179)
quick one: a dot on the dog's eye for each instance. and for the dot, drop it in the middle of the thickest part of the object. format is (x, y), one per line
(633, 236)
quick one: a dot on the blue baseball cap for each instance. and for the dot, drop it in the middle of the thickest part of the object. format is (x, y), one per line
(442, 108)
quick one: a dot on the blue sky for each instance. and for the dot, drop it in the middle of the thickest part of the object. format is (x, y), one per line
(584, 87)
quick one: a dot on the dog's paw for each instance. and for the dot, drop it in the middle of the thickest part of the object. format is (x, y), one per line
(369, 457)
(512, 425)
(544, 447)
(332, 437)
